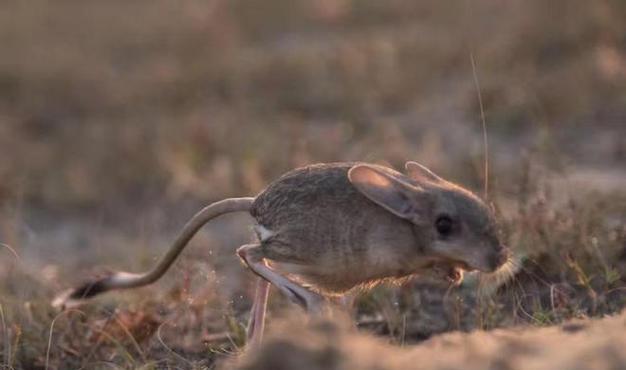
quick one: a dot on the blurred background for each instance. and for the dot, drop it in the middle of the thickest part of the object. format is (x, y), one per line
(119, 120)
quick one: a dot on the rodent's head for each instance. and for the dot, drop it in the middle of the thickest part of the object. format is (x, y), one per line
(451, 223)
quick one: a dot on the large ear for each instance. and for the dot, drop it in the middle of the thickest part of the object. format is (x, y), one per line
(419, 172)
(389, 192)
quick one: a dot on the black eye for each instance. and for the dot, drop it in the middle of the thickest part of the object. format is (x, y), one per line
(444, 225)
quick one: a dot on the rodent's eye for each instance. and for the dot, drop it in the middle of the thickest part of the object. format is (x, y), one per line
(444, 225)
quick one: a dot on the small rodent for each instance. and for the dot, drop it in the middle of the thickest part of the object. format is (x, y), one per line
(324, 229)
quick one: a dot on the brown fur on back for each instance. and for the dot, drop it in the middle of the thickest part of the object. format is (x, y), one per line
(335, 236)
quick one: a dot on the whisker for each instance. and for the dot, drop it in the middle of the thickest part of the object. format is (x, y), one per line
(489, 283)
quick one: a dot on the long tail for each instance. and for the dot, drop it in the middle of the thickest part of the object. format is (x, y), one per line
(126, 280)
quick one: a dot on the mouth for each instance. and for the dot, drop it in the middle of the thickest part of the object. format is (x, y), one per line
(452, 272)
(455, 276)
(490, 265)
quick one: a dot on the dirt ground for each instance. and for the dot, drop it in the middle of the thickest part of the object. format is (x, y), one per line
(325, 344)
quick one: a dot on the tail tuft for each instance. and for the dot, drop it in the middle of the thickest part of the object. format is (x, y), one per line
(125, 280)
(90, 289)
(74, 297)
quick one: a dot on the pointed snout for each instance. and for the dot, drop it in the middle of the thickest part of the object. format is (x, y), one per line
(499, 257)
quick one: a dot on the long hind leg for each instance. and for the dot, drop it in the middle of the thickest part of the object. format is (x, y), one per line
(252, 255)
(256, 324)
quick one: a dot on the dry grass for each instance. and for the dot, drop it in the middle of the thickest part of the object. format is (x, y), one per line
(118, 120)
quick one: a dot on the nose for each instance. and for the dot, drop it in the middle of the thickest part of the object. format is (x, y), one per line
(500, 257)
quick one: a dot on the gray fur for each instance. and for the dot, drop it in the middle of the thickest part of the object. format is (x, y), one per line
(328, 234)
(336, 226)
(327, 228)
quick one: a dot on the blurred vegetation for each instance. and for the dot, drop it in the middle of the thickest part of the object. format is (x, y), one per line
(113, 101)
(113, 109)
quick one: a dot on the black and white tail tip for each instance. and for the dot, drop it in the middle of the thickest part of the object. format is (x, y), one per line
(76, 296)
